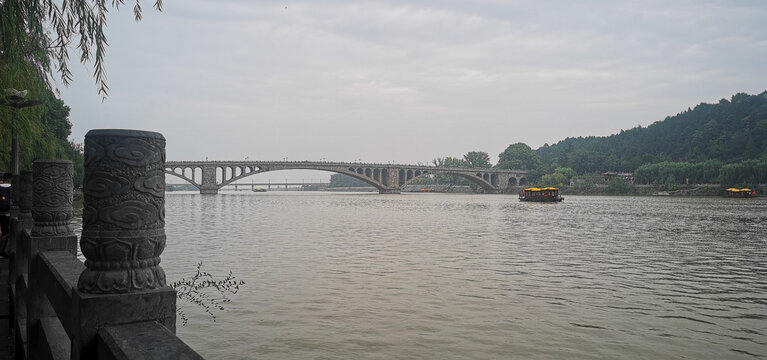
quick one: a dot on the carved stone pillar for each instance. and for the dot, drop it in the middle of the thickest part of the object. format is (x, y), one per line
(51, 231)
(52, 197)
(123, 211)
(25, 194)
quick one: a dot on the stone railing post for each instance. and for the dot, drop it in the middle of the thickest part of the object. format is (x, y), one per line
(123, 236)
(51, 211)
(52, 188)
(22, 222)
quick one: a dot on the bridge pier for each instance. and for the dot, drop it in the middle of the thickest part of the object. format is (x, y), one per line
(389, 191)
(209, 191)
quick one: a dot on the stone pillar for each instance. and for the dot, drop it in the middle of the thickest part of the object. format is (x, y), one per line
(52, 198)
(51, 231)
(123, 237)
(123, 211)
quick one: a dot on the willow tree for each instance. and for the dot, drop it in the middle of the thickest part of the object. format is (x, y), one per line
(37, 38)
(42, 33)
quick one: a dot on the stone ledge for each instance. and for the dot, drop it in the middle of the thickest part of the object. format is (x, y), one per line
(57, 273)
(54, 338)
(95, 311)
(145, 340)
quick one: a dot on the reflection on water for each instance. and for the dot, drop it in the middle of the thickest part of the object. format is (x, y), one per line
(475, 276)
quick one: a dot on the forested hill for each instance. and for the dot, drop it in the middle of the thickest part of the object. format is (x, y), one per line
(729, 131)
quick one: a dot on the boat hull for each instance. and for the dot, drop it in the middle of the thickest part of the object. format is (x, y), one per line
(541, 199)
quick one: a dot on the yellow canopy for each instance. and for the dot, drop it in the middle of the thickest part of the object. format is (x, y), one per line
(532, 189)
(733, 190)
(550, 188)
(541, 189)
(745, 189)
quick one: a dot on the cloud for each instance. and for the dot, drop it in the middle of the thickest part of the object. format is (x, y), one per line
(409, 82)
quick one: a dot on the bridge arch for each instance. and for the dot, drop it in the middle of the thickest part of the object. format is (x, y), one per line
(364, 174)
(481, 179)
(182, 175)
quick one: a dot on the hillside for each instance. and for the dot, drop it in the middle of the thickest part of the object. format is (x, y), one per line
(729, 131)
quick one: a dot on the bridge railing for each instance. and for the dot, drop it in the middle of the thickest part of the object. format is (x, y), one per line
(115, 305)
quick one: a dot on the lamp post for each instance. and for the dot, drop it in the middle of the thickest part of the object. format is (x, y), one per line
(16, 100)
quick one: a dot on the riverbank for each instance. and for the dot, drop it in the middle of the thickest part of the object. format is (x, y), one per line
(645, 190)
(592, 189)
(409, 188)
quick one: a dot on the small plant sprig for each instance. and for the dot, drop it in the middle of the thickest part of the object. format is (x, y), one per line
(205, 291)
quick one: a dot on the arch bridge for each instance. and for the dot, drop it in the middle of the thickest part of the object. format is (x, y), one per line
(210, 176)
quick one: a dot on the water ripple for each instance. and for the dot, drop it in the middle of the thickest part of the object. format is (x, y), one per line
(439, 276)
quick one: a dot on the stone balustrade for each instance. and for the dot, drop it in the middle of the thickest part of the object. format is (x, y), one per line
(115, 305)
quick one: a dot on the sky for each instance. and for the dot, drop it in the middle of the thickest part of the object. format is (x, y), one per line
(407, 82)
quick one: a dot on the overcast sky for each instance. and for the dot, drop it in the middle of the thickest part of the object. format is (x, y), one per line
(407, 82)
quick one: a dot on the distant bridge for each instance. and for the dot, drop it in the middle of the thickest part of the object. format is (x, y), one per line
(211, 176)
(263, 185)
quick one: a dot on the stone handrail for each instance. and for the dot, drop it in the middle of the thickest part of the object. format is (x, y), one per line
(115, 305)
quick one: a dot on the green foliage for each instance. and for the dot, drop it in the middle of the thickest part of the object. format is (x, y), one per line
(678, 173)
(43, 133)
(518, 156)
(341, 180)
(450, 178)
(561, 177)
(728, 132)
(36, 37)
(746, 173)
(479, 159)
(74, 152)
(34, 41)
(619, 186)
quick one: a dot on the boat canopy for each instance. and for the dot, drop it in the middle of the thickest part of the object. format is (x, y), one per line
(542, 189)
(739, 190)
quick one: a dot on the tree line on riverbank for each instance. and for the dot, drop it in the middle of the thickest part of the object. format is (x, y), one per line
(723, 143)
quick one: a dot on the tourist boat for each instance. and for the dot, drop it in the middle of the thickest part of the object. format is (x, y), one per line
(259, 190)
(745, 192)
(547, 194)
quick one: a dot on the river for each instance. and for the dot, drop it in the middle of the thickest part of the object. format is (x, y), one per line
(456, 276)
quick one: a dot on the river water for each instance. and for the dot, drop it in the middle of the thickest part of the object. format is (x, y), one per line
(441, 276)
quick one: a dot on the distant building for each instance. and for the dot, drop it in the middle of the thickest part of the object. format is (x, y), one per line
(609, 176)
